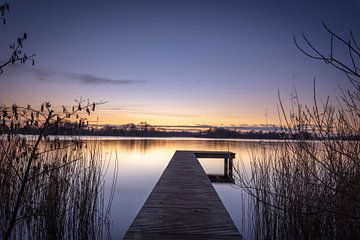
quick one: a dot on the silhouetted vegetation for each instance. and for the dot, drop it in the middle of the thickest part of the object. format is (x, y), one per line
(310, 189)
(17, 54)
(138, 130)
(49, 189)
(133, 130)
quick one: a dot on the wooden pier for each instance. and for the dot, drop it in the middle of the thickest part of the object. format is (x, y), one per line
(184, 204)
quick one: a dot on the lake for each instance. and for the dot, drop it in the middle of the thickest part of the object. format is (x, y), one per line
(141, 162)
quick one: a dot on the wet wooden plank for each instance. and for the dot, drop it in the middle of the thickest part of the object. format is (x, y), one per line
(184, 205)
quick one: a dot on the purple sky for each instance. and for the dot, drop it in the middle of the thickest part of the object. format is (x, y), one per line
(172, 62)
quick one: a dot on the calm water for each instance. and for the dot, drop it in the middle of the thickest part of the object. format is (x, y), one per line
(141, 162)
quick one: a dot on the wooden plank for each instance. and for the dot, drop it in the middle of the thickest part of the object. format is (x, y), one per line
(183, 205)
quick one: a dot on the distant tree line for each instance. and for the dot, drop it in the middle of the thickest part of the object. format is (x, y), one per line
(144, 129)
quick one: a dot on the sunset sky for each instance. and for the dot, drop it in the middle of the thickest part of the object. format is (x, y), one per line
(184, 62)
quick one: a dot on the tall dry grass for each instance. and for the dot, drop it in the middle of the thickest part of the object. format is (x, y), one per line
(64, 195)
(310, 189)
(304, 190)
(51, 188)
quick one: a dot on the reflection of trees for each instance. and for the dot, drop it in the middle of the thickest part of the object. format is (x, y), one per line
(134, 145)
(149, 145)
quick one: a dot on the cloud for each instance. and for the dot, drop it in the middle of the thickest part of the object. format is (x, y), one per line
(166, 114)
(141, 112)
(47, 75)
(94, 80)
(42, 75)
(240, 116)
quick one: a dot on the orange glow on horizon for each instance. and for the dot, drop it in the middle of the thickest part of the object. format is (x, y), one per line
(126, 118)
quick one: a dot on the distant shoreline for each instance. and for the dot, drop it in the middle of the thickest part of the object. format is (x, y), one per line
(211, 134)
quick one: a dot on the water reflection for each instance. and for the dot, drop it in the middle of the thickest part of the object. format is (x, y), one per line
(141, 162)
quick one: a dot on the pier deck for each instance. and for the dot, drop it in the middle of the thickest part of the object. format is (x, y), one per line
(184, 204)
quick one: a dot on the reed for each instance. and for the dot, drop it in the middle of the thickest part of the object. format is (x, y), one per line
(64, 195)
(309, 189)
(51, 188)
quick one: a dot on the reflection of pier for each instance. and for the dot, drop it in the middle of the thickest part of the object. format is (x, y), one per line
(184, 204)
(228, 165)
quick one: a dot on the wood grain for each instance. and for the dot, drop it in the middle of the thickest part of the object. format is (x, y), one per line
(184, 204)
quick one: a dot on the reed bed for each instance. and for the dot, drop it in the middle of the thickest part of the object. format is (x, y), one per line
(64, 192)
(308, 189)
(303, 190)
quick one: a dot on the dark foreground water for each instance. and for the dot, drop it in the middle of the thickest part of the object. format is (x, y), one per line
(141, 162)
